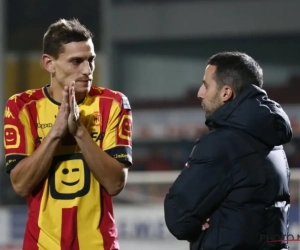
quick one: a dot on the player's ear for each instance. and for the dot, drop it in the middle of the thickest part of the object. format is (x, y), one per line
(48, 63)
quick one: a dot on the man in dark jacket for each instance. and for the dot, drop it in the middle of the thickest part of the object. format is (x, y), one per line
(237, 175)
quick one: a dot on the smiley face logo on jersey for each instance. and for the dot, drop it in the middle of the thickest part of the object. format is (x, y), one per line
(125, 128)
(69, 177)
(11, 136)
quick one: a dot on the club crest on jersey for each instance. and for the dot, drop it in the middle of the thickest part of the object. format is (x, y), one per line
(97, 119)
(11, 136)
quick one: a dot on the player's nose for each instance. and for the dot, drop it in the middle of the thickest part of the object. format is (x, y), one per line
(87, 68)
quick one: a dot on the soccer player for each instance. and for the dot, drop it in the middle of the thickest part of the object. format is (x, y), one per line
(68, 147)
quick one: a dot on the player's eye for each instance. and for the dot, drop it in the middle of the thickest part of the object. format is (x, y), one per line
(76, 61)
(91, 60)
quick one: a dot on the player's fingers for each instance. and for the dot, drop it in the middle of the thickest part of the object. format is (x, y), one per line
(75, 105)
(72, 96)
(71, 99)
(65, 99)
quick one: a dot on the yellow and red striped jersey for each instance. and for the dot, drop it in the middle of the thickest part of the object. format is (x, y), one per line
(70, 209)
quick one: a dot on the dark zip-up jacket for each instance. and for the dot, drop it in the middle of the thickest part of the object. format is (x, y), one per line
(237, 176)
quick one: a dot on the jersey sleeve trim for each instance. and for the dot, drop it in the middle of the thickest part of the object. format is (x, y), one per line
(122, 154)
(12, 161)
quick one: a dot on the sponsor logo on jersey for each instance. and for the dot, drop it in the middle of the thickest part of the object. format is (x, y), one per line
(125, 128)
(11, 136)
(8, 114)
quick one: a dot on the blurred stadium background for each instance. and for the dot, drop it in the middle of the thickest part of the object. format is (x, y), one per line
(155, 52)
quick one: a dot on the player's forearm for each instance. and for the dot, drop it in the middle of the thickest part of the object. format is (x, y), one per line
(108, 171)
(30, 171)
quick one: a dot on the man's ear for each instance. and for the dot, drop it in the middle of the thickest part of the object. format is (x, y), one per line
(227, 94)
(48, 63)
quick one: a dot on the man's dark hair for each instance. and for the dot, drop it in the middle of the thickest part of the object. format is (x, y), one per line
(62, 32)
(236, 69)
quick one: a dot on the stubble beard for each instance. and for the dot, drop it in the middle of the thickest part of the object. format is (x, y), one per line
(215, 103)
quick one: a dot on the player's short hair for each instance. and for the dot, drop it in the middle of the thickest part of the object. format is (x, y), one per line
(237, 70)
(62, 32)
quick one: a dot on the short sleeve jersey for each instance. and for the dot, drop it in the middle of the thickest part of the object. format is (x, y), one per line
(70, 209)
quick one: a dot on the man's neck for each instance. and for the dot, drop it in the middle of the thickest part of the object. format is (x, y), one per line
(55, 93)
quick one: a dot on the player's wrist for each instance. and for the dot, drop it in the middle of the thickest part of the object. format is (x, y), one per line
(53, 135)
(80, 132)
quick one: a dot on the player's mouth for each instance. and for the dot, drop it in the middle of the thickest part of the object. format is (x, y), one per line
(85, 82)
(70, 183)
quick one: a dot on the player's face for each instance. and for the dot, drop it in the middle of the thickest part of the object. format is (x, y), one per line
(76, 63)
(209, 92)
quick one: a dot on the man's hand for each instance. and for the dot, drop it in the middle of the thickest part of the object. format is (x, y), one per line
(60, 126)
(205, 225)
(73, 119)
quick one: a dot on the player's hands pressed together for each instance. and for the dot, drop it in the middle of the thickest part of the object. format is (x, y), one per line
(60, 126)
(73, 118)
(67, 118)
